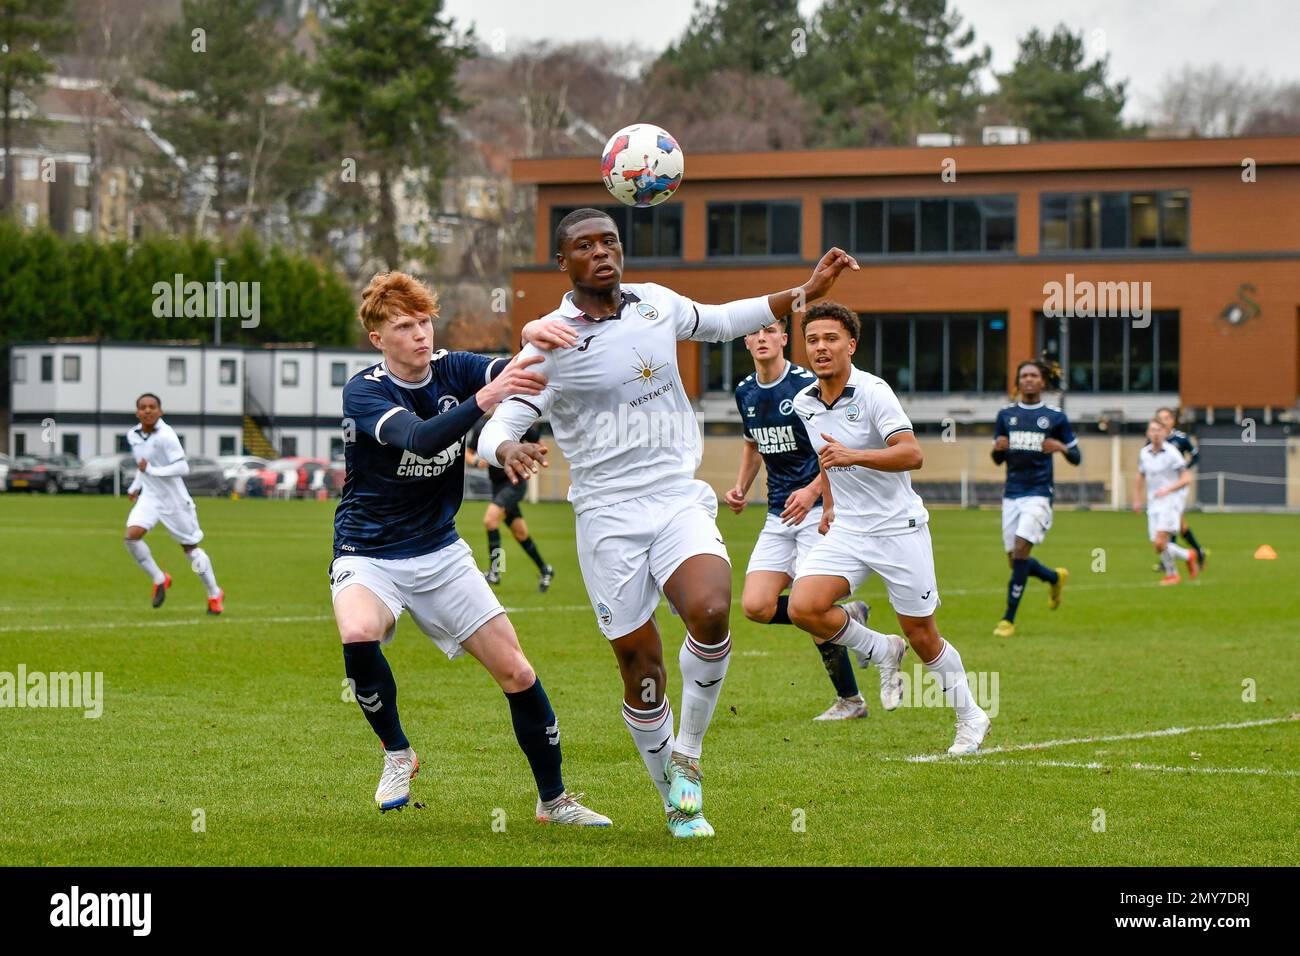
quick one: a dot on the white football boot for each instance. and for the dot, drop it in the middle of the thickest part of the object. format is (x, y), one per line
(566, 809)
(844, 708)
(395, 784)
(891, 681)
(970, 734)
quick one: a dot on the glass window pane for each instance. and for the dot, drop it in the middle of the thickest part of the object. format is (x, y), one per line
(1082, 354)
(902, 226)
(995, 353)
(864, 357)
(966, 225)
(895, 349)
(929, 355)
(1144, 219)
(711, 366)
(753, 229)
(1110, 354)
(785, 229)
(1114, 220)
(963, 354)
(669, 242)
(934, 225)
(338, 374)
(1141, 355)
(742, 363)
(869, 231)
(836, 225)
(1084, 226)
(999, 223)
(722, 230)
(1167, 330)
(1173, 220)
(1052, 216)
(640, 239)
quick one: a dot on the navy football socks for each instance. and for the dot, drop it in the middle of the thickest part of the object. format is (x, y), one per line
(376, 691)
(538, 734)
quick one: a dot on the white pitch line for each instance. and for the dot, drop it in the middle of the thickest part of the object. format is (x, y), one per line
(1158, 768)
(1140, 735)
(184, 622)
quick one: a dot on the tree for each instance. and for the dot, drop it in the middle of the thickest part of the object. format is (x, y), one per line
(387, 71)
(881, 71)
(747, 36)
(223, 72)
(1051, 92)
(29, 29)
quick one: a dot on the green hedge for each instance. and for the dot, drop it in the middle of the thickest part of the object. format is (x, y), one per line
(52, 286)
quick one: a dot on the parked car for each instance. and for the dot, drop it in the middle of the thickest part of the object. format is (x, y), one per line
(4, 472)
(50, 474)
(239, 468)
(206, 477)
(95, 476)
(279, 479)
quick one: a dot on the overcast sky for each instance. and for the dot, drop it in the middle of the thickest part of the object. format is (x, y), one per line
(1146, 39)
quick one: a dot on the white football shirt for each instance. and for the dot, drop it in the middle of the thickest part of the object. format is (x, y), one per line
(162, 484)
(1162, 469)
(864, 417)
(615, 400)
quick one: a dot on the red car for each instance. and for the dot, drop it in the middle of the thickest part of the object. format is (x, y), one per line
(294, 477)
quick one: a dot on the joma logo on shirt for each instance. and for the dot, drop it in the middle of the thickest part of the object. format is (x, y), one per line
(1026, 441)
(413, 466)
(775, 439)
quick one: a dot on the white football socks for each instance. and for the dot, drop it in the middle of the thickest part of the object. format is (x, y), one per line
(143, 557)
(1177, 550)
(860, 638)
(703, 667)
(202, 566)
(652, 732)
(1167, 559)
(952, 678)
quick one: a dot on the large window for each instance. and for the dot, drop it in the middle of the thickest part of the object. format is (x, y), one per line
(1110, 355)
(753, 229)
(654, 233)
(926, 226)
(1080, 222)
(935, 351)
(724, 364)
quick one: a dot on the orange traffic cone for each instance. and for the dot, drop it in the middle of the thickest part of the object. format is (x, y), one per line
(1265, 553)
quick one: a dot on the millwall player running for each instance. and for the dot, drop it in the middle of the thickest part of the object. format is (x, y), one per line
(504, 506)
(775, 437)
(1027, 434)
(872, 521)
(1191, 454)
(160, 494)
(395, 541)
(644, 523)
(1162, 479)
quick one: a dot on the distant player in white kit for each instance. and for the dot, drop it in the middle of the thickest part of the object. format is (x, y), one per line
(1162, 480)
(160, 494)
(645, 524)
(872, 521)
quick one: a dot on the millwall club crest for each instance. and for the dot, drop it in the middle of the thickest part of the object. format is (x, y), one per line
(647, 311)
(447, 403)
(852, 413)
(1043, 421)
(1011, 420)
(787, 406)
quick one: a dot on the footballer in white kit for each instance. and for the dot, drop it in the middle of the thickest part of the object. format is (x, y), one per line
(622, 418)
(872, 521)
(1162, 480)
(159, 494)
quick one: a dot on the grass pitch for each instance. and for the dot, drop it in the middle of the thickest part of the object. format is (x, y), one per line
(229, 741)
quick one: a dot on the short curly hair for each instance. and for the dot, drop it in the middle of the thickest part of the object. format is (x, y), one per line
(833, 310)
(391, 294)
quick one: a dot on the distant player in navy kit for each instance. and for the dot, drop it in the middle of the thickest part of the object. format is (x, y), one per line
(504, 506)
(775, 436)
(395, 541)
(1184, 445)
(1027, 434)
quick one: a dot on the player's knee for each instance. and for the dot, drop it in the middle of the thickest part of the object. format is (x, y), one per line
(518, 675)
(805, 613)
(359, 631)
(708, 622)
(758, 607)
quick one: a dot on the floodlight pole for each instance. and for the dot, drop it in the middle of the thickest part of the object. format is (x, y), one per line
(221, 303)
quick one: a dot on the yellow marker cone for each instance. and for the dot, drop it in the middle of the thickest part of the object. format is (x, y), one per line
(1265, 553)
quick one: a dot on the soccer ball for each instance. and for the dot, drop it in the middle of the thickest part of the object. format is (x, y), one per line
(642, 165)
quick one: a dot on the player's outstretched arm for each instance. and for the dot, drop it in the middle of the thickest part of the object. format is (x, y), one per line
(547, 334)
(500, 445)
(819, 283)
(749, 462)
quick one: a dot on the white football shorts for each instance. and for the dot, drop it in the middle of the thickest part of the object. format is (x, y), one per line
(181, 523)
(1164, 514)
(444, 591)
(781, 547)
(629, 550)
(1029, 517)
(904, 562)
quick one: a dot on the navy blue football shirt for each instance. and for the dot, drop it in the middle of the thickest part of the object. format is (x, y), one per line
(1181, 441)
(768, 418)
(395, 503)
(1029, 468)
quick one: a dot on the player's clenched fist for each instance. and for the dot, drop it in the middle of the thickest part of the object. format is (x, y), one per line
(547, 334)
(835, 455)
(521, 460)
(735, 499)
(828, 518)
(519, 378)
